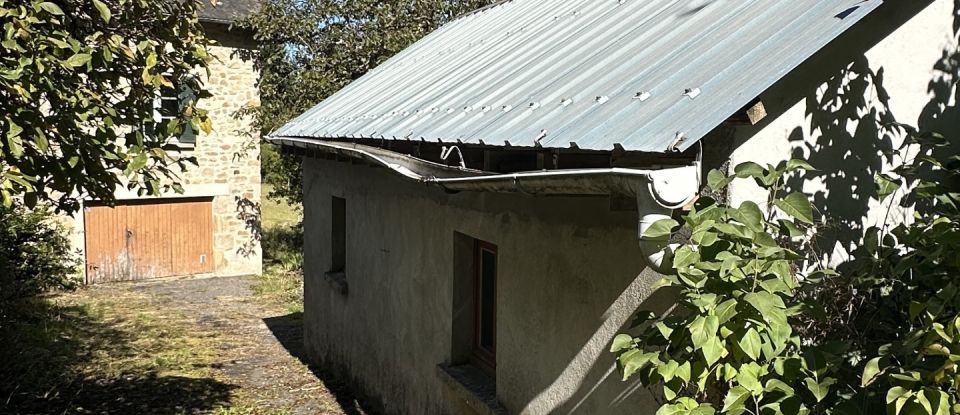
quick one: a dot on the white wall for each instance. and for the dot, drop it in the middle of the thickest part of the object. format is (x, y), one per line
(832, 112)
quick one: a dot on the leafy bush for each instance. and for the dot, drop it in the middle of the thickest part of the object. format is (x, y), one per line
(758, 329)
(35, 254)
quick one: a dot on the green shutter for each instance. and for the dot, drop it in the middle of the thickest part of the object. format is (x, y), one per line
(187, 97)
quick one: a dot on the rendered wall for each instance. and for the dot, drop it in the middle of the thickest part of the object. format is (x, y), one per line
(900, 64)
(568, 281)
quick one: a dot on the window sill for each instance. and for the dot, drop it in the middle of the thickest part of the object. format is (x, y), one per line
(473, 386)
(337, 281)
(179, 146)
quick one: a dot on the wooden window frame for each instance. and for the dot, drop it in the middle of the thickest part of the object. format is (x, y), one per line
(485, 359)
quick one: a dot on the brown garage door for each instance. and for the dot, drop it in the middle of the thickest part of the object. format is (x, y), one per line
(148, 239)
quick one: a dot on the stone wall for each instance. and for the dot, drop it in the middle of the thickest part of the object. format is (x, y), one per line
(228, 159)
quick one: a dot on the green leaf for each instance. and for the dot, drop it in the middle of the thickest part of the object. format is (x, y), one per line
(621, 342)
(749, 169)
(664, 330)
(103, 9)
(683, 372)
(749, 377)
(896, 393)
(674, 409)
(764, 302)
(668, 370)
(778, 385)
(41, 141)
(797, 205)
(671, 388)
(790, 229)
(794, 164)
(704, 409)
(51, 8)
(726, 310)
(702, 329)
(139, 162)
(750, 215)
(713, 350)
(716, 180)
(886, 185)
(151, 60)
(821, 389)
(77, 60)
(5, 198)
(15, 145)
(660, 229)
(750, 343)
(735, 398)
(634, 360)
(685, 256)
(870, 371)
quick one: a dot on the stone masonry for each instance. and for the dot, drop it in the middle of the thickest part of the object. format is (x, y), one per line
(228, 159)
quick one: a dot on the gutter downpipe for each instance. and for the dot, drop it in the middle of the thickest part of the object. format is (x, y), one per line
(658, 191)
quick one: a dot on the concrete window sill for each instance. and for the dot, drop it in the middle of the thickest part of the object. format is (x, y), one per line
(337, 281)
(473, 386)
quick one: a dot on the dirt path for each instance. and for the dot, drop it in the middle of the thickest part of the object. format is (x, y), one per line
(181, 346)
(259, 347)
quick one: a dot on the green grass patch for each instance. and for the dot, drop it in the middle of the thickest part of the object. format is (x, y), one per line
(106, 352)
(277, 213)
(281, 284)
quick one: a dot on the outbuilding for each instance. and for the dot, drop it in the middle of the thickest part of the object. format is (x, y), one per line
(473, 206)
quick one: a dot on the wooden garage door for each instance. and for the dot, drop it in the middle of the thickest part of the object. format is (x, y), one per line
(148, 239)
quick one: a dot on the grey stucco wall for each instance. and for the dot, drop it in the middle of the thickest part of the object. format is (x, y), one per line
(569, 278)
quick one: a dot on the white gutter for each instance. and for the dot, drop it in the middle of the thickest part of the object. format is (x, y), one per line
(658, 191)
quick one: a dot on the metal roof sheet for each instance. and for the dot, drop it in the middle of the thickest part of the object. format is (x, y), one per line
(585, 73)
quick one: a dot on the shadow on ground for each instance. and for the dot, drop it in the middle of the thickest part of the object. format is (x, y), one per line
(57, 358)
(288, 330)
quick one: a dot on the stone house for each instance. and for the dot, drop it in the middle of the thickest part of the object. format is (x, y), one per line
(472, 205)
(213, 227)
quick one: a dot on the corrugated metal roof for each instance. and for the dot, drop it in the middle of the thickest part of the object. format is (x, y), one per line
(634, 73)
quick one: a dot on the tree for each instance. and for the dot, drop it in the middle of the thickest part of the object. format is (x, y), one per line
(310, 49)
(79, 80)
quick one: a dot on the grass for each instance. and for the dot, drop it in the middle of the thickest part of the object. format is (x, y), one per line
(281, 284)
(277, 213)
(106, 352)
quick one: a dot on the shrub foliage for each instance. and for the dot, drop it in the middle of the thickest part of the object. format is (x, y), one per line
(761, 328)
(35, 255)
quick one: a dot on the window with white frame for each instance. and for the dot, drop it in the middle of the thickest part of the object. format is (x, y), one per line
(172, 104)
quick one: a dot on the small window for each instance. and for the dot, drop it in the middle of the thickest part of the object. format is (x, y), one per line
(338, 235)
(173, 103)
(485, 306)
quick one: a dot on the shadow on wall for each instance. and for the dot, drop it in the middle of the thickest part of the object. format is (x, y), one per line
(858, 132)
(248, 211)
(46, 366)
(858, 135)
(288, 330)
(590, 382)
